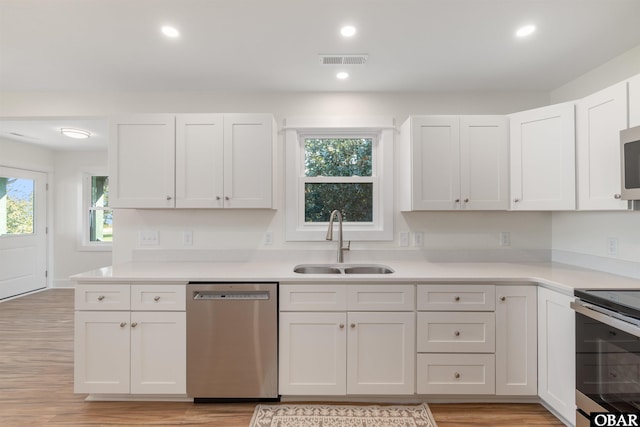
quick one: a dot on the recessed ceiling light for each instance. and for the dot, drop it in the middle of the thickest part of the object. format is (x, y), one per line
(170, 31)
(348, 31)
(342, 75)
(75, 133)
(525, 31)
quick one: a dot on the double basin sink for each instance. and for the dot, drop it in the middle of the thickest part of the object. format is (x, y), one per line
(342, 269)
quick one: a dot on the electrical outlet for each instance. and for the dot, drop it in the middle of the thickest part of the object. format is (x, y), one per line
(187, 238)
(404, 238)
(417, 238)
(148, 238)
(268, 238)
(612, 246)
(505, 238)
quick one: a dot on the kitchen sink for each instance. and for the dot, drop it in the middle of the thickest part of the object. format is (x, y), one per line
(342, 269)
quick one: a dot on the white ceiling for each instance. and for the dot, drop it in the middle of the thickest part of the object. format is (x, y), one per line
(273, 45)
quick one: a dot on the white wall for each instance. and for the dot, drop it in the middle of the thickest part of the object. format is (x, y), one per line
(582, 237)
(69, 257)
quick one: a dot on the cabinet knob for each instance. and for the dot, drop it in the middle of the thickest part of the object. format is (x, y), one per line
(134, 324)
(156, 299)
(503, 298)
(516, 200)
(456, 333)
(227, 198)
(101, 297)
(466, 200)
(456, 298)
(353, 325)
(457, 200)
(123, 324)
(169, 197)
(218, 197)
(456, 375)
(617, 196)
(341, 325)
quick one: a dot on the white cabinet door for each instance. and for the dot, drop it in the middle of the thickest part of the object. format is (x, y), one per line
(484, 163)
(556, 352)
(542, 145)
(142, 161)
(199, 161)
(599, 119)
(102, 348)
(516, 340)
(248, 154)
(312, 354)
(634, 101)
(158, 353)
(435, 162)
(381, 353)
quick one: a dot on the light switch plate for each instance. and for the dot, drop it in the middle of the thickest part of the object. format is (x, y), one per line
(148, 238)
(404, 238)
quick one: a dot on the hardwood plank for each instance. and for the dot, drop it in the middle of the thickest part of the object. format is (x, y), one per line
(36, 382)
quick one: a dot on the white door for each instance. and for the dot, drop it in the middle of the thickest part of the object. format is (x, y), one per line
(23, 231)
(381, 353)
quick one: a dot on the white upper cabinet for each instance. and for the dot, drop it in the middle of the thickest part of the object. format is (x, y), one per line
(634, 101)
(141, 161)
(542, 152)
(192, 161)
(199, 161)
(599, 119)
(454, 162)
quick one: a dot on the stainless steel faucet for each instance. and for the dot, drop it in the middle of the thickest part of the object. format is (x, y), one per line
(341, 247)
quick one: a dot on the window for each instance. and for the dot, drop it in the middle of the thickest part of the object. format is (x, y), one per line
(98, 217)
(16, 205)
(339, 166)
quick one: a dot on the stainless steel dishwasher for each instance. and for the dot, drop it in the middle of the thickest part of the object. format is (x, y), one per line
(232, 341)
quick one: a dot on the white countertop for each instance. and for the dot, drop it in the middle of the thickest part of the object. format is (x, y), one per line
(560, 277)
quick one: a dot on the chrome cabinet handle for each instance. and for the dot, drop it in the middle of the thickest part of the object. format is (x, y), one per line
(218, 197)
(101, 297)
(123, 324)
(341, 325)
(353, 325)
(227, 198)
(617, 196)
(134, 324)
(156, 299)
(456, 298)
(457, 200)
(169, 197)
(456, 375)
(466, 200)
(456, 333)
(503, 298)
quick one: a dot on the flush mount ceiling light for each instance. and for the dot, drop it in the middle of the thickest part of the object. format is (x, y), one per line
(170, 31)
(75, 133)
(348, 31)
(342, 75)
(525, 31)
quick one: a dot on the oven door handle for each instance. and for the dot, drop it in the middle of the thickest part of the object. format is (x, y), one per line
(608, 317)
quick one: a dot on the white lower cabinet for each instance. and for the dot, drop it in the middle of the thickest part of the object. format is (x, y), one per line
(130, 352)
(556, 353)
(348, 352)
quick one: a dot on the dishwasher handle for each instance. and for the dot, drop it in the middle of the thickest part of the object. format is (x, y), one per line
(231, 295)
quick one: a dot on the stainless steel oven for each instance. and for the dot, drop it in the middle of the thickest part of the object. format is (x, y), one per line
(607, 352)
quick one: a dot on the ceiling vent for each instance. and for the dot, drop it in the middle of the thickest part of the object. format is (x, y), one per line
(343, 59)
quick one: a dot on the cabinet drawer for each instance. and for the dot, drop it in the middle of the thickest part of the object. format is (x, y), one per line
(318, 297)
(381, 297)
(102, 297)
(158, 297)
(464, 332)
(456, 374)
(456, 297)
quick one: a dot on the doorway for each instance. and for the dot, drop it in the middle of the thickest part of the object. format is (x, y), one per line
(23, 231)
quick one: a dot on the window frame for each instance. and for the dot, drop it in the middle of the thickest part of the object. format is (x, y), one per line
(84, 243)
(382, 131)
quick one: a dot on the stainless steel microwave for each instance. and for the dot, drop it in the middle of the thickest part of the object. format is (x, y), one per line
(630, 163)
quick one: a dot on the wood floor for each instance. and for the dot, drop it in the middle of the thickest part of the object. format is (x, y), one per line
(36, 382)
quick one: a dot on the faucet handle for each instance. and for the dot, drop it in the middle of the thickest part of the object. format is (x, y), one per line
(348, 246)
